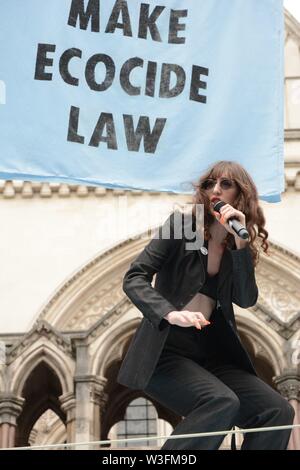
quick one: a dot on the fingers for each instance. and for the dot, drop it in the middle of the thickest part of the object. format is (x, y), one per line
(196, 319)
(200, 321)
(197, 324)
(217, 215)
(228, 211)
(220, 217)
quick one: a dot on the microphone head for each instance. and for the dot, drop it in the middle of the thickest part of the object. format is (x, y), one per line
(218, 204)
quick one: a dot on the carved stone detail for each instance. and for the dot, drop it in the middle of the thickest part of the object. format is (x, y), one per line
(288, 384)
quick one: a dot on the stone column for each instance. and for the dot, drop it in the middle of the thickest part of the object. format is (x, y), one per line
(10, 408)
(68, 405)
(288, 385)
(99, 399)
(89, 394)
(89, 397)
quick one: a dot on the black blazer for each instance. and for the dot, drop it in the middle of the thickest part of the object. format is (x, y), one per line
(180, 275)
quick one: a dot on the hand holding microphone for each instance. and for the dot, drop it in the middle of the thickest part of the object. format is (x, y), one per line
(233, 220)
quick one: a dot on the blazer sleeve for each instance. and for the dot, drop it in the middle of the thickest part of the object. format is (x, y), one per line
(244, 287)
(137, 280)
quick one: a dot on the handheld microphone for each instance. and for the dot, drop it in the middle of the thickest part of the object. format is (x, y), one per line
(239, 229)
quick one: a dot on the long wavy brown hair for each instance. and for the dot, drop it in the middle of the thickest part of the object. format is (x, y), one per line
(246, 202)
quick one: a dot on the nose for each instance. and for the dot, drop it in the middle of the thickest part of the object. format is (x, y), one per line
(217, 188)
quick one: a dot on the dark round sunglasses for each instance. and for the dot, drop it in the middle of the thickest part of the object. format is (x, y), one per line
(224, 183)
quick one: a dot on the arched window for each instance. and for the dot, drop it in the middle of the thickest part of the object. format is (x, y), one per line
(140, 420)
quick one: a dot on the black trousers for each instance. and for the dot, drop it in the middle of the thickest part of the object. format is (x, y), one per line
(213, 395)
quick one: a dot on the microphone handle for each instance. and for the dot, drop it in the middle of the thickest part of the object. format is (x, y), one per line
(239, 229)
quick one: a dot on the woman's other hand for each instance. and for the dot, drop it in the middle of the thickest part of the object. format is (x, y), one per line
(186, 318)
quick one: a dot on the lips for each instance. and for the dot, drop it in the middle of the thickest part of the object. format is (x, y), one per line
(214, 198)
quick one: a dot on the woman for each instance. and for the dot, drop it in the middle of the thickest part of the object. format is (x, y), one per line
(186, 353)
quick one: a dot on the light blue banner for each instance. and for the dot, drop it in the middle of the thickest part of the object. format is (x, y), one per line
(141, 94)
